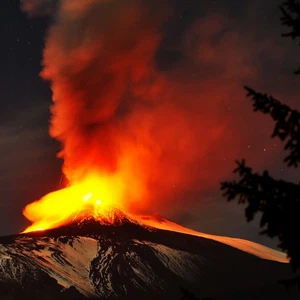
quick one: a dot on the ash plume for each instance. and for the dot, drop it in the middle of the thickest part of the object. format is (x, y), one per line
(115, 111)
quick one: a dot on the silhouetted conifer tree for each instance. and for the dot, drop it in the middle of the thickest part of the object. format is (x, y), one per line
(278, 201)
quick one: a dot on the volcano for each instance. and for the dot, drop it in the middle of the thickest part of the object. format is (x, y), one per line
(145, 257)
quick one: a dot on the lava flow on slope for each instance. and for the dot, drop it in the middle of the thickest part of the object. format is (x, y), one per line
(101, 201)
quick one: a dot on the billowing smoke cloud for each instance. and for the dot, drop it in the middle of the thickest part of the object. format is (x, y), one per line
(116, 111)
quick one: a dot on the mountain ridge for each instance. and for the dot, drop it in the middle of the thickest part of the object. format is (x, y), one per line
(130, 260)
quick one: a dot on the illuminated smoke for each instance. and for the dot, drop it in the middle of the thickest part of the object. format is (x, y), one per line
(115, 112)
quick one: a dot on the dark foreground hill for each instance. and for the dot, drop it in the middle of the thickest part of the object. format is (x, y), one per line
(127, 260)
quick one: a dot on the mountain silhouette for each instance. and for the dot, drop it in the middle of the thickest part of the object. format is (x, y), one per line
(130, 259)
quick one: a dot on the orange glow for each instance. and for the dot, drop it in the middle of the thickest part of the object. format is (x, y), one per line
(244, 245)
(156, 138)
(76, 201)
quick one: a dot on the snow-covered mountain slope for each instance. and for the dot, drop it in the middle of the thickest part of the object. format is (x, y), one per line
(67, 260)
(127, 261)
(241, 244)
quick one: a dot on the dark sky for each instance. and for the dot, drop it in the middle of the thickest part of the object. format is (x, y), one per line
(28, 164)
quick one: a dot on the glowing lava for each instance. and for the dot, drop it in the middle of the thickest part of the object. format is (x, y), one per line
(93, 197)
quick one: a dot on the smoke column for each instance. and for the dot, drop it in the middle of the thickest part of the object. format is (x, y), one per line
(116, 112)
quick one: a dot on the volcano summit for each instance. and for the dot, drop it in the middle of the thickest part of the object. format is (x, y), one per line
(132, 258)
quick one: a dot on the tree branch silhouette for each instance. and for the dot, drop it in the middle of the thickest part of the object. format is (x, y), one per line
(287, 122)
(277, 201)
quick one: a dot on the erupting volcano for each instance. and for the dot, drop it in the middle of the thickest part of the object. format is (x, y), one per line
(93, 198)
(114, 255)
(129, 132)
(129, 136)
(110, 153)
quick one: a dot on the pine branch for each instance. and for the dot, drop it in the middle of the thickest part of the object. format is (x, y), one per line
(277, 200)
(291, 18)
(290, 10)
(287, 121)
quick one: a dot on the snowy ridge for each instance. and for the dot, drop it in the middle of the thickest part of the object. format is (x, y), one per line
(181, 263)
(96, 267)
(117, 262)
(241, 244)
(131, 260)
(67, 260)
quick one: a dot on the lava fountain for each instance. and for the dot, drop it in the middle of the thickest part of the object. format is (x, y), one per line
(93, 197)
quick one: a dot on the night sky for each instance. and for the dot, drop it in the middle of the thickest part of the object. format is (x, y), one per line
(238, 39)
